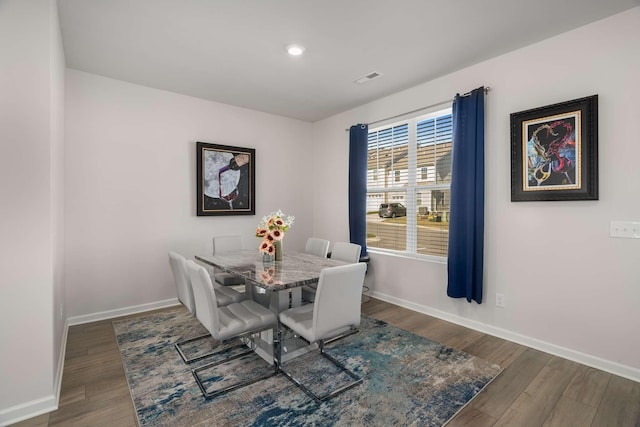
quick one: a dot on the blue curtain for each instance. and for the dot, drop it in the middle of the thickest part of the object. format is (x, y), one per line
(466, 219)
(358, 135)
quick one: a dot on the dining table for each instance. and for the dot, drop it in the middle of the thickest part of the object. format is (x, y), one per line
(276, 285)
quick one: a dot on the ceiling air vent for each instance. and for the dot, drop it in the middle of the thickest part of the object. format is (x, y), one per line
(368, 77)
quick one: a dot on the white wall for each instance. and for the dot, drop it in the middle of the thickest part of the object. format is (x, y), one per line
(57, 193)
(31, 117)
(569, 288)
(130, 186)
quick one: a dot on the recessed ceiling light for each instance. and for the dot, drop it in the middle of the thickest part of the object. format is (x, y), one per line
(295, 49)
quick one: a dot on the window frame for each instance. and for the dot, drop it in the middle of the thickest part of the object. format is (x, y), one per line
(414, 184)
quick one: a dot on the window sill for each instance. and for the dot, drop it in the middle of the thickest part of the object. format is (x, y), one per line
(397, 254)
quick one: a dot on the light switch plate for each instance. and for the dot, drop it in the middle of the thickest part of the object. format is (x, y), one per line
(625, 229)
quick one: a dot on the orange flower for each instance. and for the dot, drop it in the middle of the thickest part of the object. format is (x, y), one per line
(266, 247)
(268, 277)
(277, 234)
(260, 232)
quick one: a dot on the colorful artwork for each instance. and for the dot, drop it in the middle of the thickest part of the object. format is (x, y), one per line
(554, 152)
(226, 180)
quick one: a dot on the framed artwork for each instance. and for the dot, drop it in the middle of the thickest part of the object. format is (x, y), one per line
(225, 180)
(554, 152)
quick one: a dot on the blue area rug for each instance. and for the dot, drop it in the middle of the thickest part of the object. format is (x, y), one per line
(408, 380)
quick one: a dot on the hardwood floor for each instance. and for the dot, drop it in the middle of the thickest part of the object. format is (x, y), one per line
(535, 388)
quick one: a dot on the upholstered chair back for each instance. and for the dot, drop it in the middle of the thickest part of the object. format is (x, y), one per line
(205, 297)
(317, 247)
(183, 283)
(348, 252)
(337, 306)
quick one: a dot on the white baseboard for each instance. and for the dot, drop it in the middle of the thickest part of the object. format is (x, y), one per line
(47, 404)
(57, 384)
(566, 353)
(110, 314)
(27, 410)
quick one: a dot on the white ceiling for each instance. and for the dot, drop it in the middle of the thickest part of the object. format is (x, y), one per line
(232, 51)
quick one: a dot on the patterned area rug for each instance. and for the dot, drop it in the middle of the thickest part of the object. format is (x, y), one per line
(408, 380)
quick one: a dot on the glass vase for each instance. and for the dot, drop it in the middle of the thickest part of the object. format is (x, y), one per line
(278, 252)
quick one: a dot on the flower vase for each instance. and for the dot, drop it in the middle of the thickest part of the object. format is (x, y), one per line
(278, 252)
(267, 259)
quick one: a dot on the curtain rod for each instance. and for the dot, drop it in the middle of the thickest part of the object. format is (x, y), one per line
(486, 90)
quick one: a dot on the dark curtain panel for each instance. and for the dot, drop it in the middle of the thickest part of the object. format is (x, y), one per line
(358, 135)
(466, 221)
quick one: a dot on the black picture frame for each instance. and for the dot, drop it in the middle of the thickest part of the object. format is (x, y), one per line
(225, 180)
(554, 152)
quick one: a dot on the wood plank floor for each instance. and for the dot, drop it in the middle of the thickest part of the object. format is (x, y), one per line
(535, 388)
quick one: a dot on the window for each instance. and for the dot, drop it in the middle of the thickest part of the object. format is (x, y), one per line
(408, 185)
(427, 173)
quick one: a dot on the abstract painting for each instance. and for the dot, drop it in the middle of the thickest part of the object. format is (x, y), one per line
(554, 152)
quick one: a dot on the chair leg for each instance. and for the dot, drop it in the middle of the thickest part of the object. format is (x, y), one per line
(339, 337)
(356, 379)
(319, 399)
(188, 360)
(211, 395)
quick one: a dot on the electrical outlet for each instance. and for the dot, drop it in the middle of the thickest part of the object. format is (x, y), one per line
(500, 300)
(625, 229)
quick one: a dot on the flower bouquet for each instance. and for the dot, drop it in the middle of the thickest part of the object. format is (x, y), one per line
(271, 230)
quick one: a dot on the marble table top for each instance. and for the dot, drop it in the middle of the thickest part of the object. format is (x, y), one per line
(295, 269)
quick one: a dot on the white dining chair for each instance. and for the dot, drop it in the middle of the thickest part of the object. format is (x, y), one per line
(226, 324)
(344, 251)
(335, 312)
(224, 296)
(317, 247)
(181, 280)
(221, 245)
